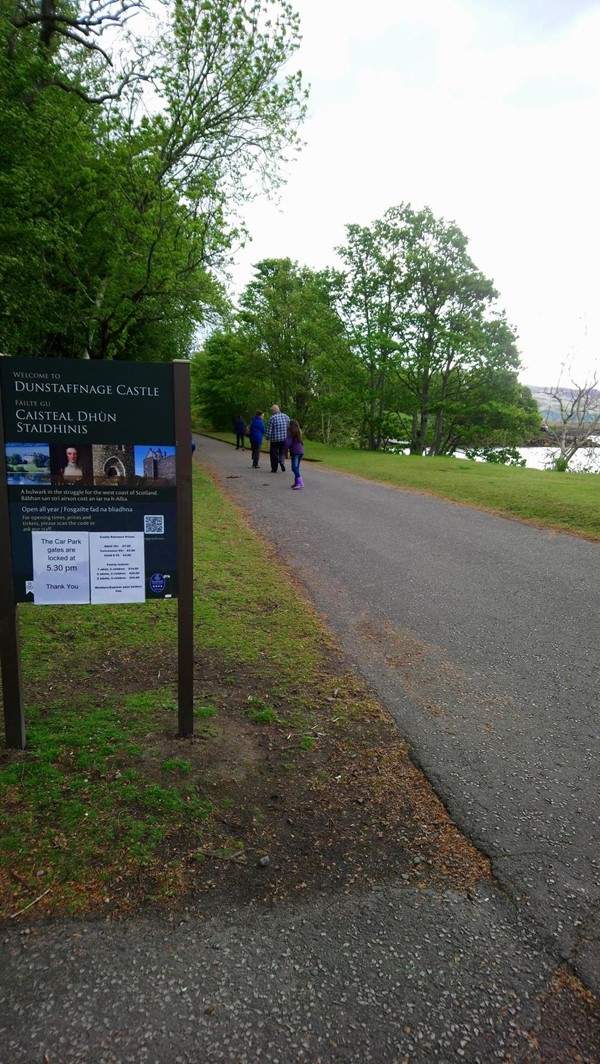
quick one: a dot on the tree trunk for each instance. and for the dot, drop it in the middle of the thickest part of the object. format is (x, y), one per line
(439, 418)
(421, 439)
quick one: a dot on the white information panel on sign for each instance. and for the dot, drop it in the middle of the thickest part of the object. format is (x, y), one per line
(61, 567)
(117, 567)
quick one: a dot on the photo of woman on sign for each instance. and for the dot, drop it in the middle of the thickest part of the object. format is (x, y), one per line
(72, 469)
(73, 462)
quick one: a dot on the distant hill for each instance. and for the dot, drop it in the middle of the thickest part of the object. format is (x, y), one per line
(548, 405)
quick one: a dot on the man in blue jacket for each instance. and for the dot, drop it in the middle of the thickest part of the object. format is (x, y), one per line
(239, 427)
(276, 434)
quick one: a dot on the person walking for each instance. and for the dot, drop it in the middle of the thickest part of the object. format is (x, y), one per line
(256, 432)
(239, 427)
(276, 434)
(293, 444)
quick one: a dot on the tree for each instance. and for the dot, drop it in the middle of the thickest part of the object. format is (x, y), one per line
(116, 245)
(422, 320)
(226, 381)
(492, 410)
(370, 303)
(291, 329)
(481, 403)
(578, 420)
(65, 26)
(334, 413)
(286, 344)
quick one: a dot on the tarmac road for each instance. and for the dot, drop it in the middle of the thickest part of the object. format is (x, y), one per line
(481, 636)
(448, 612)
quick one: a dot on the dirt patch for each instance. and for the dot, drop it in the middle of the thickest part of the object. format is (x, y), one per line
(567, 1007)
(426, 674)
(311, 792)
(331, 803)
(428, 677)
(141, 669)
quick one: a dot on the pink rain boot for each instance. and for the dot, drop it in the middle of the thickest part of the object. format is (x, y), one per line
(299, 483)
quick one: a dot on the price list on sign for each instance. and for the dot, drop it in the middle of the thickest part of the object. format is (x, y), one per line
(117, 567)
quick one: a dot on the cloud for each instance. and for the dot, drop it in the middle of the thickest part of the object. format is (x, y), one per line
(468, 108)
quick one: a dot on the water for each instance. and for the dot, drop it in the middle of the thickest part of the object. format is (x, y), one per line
(585, 461)
(28, 478)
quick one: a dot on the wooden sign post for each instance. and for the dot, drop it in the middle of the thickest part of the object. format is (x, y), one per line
(95, 500)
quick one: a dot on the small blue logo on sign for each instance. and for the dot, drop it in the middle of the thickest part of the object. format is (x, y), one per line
(157, 582)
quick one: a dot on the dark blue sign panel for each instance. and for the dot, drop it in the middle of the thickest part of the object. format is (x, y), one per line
(90, 458)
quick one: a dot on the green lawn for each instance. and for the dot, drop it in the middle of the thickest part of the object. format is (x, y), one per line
(28, 467)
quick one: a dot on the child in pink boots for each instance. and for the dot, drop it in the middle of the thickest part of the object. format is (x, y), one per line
(294, 445)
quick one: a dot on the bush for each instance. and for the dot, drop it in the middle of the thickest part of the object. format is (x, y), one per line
(560, 464)
(509, 456)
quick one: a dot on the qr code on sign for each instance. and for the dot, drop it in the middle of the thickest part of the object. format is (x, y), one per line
(154, 524)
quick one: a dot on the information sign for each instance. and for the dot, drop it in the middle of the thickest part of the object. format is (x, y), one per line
(90, 457)
(95, 500)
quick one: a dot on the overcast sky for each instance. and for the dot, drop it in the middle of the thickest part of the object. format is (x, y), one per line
(486, 111)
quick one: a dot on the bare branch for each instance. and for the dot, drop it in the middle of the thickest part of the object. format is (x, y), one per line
(90, 45)
(129, 78)
(578, 417)
(53, 22)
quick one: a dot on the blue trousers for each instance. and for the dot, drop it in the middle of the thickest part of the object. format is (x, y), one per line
(296, 459)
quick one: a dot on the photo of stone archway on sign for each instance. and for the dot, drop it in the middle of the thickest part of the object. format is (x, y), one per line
(113, 462)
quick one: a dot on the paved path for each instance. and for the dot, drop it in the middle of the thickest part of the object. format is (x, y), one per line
(393, 976)
(501, 715)
(481, 635)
